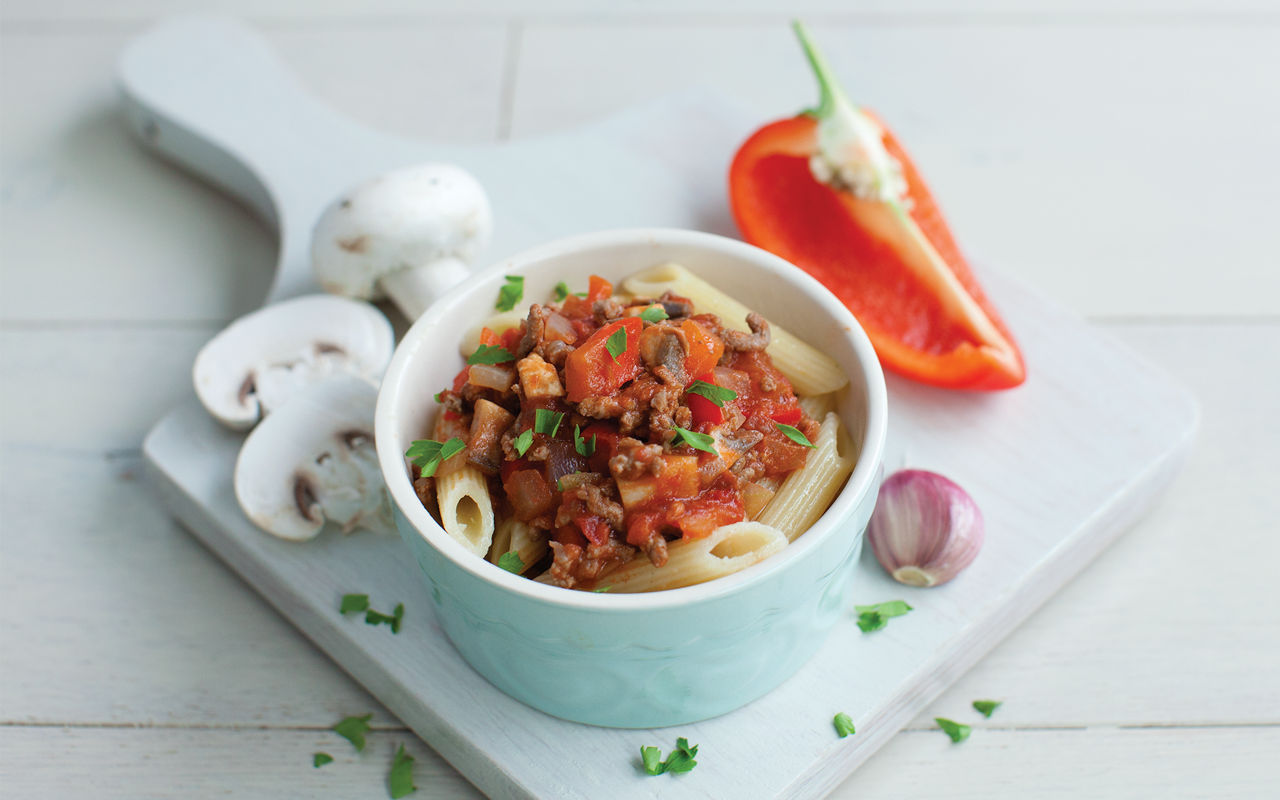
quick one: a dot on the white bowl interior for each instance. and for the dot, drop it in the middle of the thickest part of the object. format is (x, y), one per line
(428, 358)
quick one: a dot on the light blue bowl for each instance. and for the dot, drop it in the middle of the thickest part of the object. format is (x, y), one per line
(660, 658)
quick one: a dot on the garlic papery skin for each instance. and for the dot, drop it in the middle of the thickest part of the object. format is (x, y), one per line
(925, 528)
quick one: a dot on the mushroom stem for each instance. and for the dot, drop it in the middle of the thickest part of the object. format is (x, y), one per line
(412, 290)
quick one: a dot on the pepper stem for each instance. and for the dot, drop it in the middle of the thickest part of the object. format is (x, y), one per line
(830, 93)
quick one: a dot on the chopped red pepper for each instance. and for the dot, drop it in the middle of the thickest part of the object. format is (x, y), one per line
(592, 371)
(705, 348)
(703, 409)
(595, 528)
(893, 262)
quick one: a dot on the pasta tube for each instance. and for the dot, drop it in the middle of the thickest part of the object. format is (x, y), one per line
(729, 549)
(806, 493)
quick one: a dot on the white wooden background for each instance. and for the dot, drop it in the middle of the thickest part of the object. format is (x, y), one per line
(1120, 156)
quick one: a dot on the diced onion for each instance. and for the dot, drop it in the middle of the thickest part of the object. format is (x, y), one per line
(490, 376)
(559, 327)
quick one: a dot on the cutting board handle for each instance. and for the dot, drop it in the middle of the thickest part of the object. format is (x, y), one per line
(210, 94)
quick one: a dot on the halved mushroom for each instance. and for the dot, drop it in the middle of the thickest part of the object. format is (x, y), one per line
(312, 460)
(409, 234)
(257, 362)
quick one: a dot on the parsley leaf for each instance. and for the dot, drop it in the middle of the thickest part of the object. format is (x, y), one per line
(716, 394)
(439, 396)
(523, 441)
(585, 449)
(955, 730)
(547, 422)
(353, 602)
(400, 781)
(372, 617)
(654, 314)
(698, 441)
(844, 725)
(874, 617)
(986, 707)
(511, 562)
(652, 758)
(490, 354)
(600, 589)
(616, 344)
(320, 759)
(794, 434)
(511, 293)
(680, 760)
(353, 729)
(562, 292)
(430, 454)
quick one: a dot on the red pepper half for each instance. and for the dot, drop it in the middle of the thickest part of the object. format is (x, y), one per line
(888, 256)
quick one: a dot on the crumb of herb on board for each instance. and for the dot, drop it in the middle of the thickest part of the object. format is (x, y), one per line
(986, 707)
(680, 760)
(876, 616)
(955, 730)
(320, 759)
(844, 725)
(353, 603)
(353, 729)
(400, 780)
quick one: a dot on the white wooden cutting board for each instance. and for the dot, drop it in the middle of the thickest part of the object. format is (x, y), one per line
(1060, 466)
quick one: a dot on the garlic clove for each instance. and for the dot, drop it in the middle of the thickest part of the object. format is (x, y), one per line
(925, 528)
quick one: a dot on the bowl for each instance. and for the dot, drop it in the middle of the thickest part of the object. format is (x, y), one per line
(660, 658)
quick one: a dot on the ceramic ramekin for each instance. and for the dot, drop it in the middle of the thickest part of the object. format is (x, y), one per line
(662, 658)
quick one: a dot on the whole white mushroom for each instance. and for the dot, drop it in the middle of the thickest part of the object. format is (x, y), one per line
(409, 234)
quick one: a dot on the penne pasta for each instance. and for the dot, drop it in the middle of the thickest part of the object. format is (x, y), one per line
(514, 536)
(466, 512)
(818, 406)
(810, 371)
(730, 549)
(806, 493)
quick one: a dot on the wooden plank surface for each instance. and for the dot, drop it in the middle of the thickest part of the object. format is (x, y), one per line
(1107, 651)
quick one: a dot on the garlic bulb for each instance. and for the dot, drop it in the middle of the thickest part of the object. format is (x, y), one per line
(925, 528)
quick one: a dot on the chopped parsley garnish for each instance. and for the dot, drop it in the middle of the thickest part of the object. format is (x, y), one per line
(794, 434)
(562, 292)
(680, 760)
(353, 729)
(353, 602)
(601, 589)
(511, 562)
(430, 454)
(523, 441)
(320, 759)
(490, 354)
(955, 730)
(616, 344)
(511, 293)
(716, 394)
(439, 396)
(654, 314)
(986, 707)
(393, 619)
(585, 449)
(547, 422)
(400, 781)
(698, 441)
(844, 725)
(874, 617)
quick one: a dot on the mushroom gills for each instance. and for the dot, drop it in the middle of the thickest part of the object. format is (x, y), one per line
(313, 460)
(256, 364)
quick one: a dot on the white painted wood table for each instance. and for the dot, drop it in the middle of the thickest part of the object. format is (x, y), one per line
(1064, 144)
